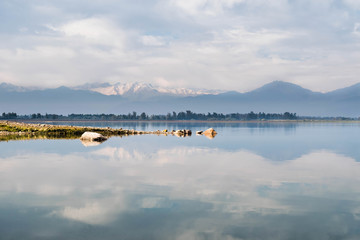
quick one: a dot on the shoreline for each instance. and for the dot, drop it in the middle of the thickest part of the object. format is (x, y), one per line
(188, 121)
(15, 130)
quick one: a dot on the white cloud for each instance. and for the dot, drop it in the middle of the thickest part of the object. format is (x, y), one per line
(49, 52)
(162, 82)
(149, 40)
(357, 29)
(232, 44)
(94, 30)
(252, 40)
(208, 7)
(47, 10)
(354, 4)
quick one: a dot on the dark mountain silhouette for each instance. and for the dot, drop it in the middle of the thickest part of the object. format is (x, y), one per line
(348, 93)
(279, 90)
(276, 97)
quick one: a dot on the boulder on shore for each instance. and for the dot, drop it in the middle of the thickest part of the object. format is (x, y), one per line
(92, 136)
(182, 133)
(210, 133)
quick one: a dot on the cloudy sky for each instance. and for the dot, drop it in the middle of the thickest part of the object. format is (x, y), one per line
(217, 44)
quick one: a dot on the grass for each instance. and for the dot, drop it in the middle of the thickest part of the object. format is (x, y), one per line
(15, 130)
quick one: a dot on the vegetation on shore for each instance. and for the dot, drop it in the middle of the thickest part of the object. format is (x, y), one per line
(10, 130)
(187, 115)
(174, 116)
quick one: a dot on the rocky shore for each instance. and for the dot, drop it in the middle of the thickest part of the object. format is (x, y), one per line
(10, 130)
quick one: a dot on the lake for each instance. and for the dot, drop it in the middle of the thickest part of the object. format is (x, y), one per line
(252, 181)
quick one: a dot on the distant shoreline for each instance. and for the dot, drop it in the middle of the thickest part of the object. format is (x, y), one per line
(193, 121)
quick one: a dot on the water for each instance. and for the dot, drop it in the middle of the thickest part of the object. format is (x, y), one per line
(252, 181)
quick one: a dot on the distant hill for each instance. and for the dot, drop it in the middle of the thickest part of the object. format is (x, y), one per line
(279, 90)
(348, 93)
(277, 97)
(7, 87)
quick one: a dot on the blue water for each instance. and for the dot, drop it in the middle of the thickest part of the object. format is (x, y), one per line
(252, 181)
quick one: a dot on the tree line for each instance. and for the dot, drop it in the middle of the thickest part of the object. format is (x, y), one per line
(187, 115)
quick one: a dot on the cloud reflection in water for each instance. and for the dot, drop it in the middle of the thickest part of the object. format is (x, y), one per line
(202, 193)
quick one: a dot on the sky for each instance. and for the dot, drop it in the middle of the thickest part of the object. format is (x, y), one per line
(214, 44)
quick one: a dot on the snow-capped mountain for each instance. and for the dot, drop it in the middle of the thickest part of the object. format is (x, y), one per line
(274, 97)
(140, 89)
(127, 89)
(188, 91)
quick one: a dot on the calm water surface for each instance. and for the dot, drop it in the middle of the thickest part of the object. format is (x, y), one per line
(252, 181)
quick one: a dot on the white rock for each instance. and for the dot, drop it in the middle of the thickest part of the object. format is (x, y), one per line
(92, 136)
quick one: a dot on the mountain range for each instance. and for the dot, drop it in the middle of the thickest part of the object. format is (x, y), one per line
(143, 90)
(274, 97)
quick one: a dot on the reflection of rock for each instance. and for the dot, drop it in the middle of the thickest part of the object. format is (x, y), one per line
(90, 139)
(92, 136)
(177, 133)
(88, 143)
(210, 133)
(199, 132)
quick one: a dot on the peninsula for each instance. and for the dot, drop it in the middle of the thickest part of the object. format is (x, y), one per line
(10, 130)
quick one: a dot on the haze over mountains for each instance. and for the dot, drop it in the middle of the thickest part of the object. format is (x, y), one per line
(119, 98)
